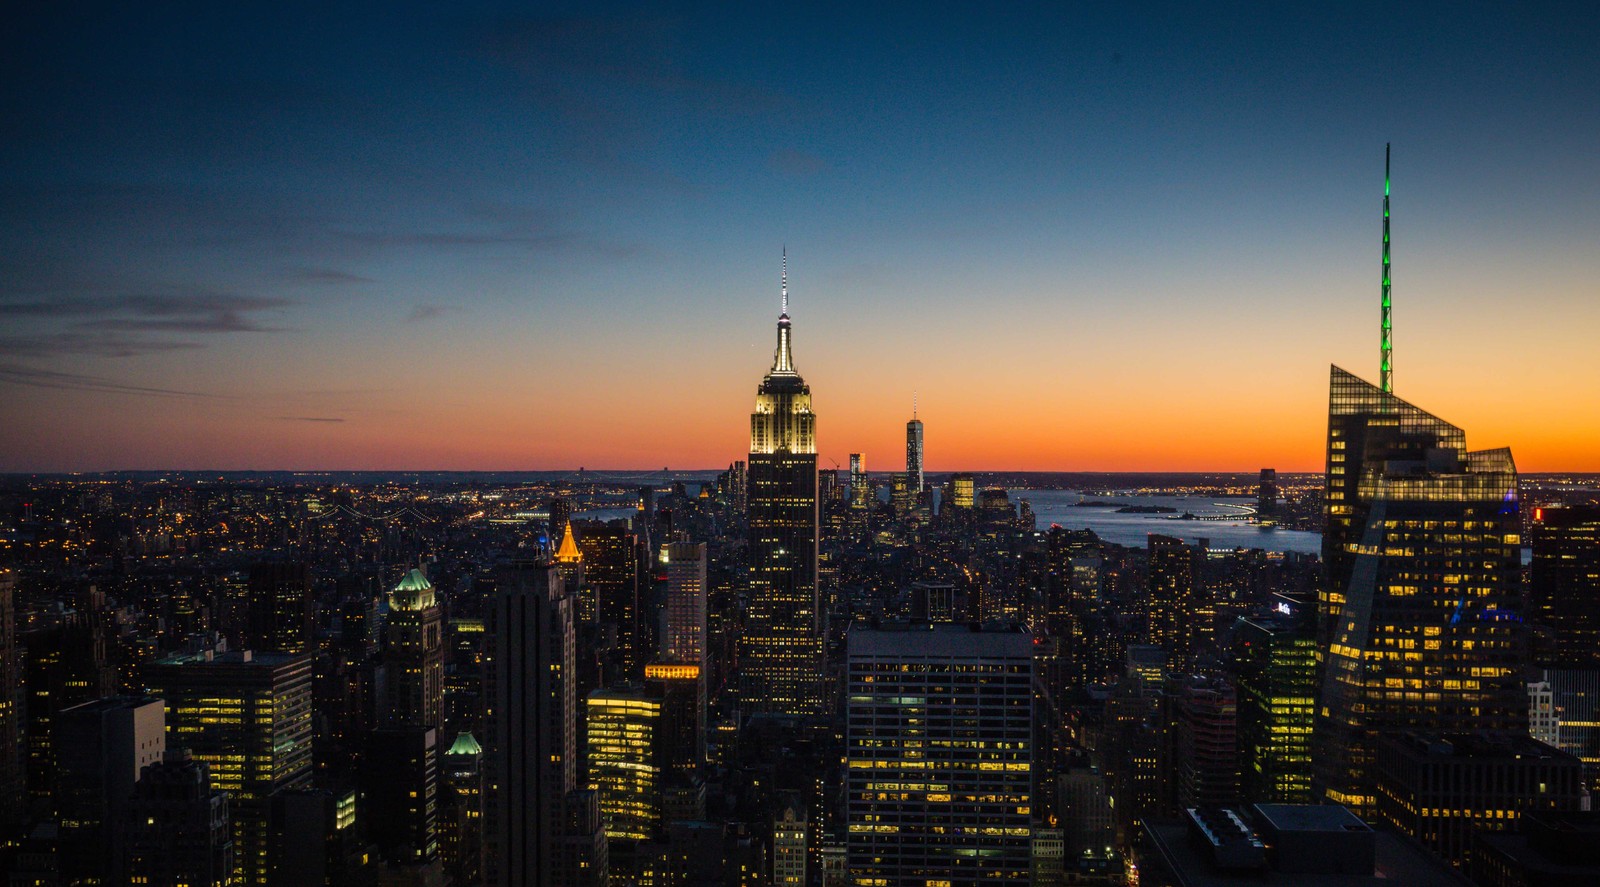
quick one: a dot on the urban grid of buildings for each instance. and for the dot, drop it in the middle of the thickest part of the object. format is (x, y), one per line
(799, 676)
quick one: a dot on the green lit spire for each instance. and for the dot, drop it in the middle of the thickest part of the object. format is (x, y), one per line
(1386, 372)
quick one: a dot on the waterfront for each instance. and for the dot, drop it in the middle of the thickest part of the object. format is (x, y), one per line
(1059, 507)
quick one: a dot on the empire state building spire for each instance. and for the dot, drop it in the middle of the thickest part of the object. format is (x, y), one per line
(783, 360)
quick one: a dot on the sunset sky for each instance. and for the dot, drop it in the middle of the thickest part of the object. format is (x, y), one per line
(466, 236)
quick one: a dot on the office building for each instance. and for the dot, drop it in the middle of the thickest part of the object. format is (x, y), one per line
(1267, 496)
(1206, 742)
(860, 483)
(1548, 850)
(1440, 788)
(939, 748)
(101, 748)
(789, 848)
(177, 826)
(461, 810)
(684, 638)
(1275, 671)
(1565, 583)
(1422, 615)
(621, 728)
(914, 454)
(530, 757)
(11, 757)
(247, 717)
(781, 650)
(413, 656)
(281, 608)
(400, 794)
(611, 577)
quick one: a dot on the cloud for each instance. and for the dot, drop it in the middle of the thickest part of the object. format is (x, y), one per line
(110, 326)
(326, 276)
(309, 419)
(429, 312)
(17, 374)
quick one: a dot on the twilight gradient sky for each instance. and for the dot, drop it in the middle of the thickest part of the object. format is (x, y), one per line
(514, 236)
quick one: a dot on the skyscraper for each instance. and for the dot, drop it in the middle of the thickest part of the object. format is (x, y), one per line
(624, 768)
(781, 650)
(1420, 622)
(914, 450)
(1175, 598)
(1275, 669)
(101, 747)
(247, 717)
(177, 826)
(413, 656)
(1565, 583)
(684, 641)
(11, 769)
(860, 484)
(530, 759)
(281, 608)
(939, 743)
(611, 575)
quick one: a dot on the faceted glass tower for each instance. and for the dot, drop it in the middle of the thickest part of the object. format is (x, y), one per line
(780, 656)
(1420, 623)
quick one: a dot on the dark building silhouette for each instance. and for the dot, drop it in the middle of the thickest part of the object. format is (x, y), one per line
(1565, 583)
(12, 786)
(101, 747)
(177, 826)
(281, 610)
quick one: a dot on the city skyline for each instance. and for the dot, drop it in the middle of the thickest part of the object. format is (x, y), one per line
(464, 250)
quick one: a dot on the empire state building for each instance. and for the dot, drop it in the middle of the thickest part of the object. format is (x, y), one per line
(780, 657)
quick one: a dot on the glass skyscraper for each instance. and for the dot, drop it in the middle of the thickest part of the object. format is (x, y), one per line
(1420, 623)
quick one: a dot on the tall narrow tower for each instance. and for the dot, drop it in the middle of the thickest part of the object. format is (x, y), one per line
(1386, 376)
(781, 651)
(914, 449)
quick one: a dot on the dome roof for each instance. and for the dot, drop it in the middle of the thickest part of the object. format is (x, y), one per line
(465, 745)
(414, 592)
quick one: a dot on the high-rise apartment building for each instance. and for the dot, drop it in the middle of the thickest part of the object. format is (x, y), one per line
(1206, 742)
(781, 650)
(247, 717)
(1421, 620)
(939, 747)
(1174, 579)
(413, 656)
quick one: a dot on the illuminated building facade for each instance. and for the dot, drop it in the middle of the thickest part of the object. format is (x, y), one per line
(1565, 583)
(1275, 671)
(860, 483)
(611, 576)
(413, 655)
(914, 453)
(624, 768)
(685, 637)
(963, 490)
(789, 848)
(247, 717)
(1422, 617)
(1174, 577)
(939, 747)
(461, 810)
(780, 656)
(1440, 788)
